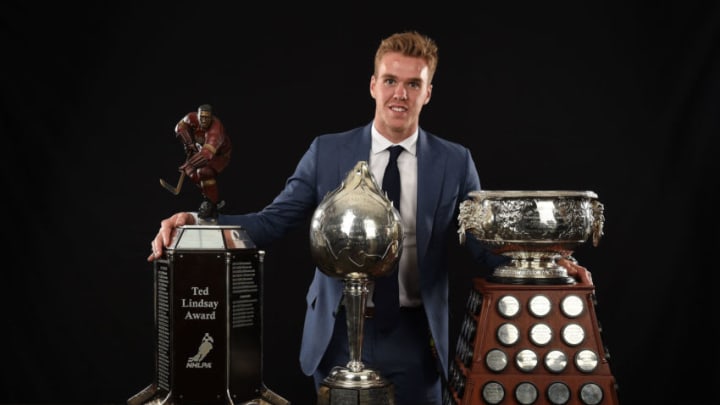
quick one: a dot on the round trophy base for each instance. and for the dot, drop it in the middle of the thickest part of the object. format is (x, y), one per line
(537, 271)
(530, 280)
(346, 387)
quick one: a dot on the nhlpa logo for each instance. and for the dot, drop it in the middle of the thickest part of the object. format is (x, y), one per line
(196, 361)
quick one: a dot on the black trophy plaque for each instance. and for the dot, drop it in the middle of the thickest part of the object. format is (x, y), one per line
(208, 321)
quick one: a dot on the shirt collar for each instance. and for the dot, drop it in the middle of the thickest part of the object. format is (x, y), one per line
(380, 143)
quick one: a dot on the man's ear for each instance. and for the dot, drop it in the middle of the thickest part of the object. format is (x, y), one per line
(429, 94)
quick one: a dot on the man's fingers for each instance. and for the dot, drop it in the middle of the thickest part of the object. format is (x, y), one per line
(153, 252)
(577, 271)
(167, 226)
(166, 233)
(156, 248)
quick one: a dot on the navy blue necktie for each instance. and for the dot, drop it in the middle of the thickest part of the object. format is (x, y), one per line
(386, 295)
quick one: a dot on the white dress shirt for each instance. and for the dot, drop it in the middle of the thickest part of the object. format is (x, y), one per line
(409, 279)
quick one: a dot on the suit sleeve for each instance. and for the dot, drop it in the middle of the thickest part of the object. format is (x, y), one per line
(291, 208)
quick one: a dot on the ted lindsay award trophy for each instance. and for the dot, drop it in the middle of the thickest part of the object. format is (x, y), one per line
(356, 235)
(208, 294)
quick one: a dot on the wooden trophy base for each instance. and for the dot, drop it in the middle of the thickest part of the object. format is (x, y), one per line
(530, 344)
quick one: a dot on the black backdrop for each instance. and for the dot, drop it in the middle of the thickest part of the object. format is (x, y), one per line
(621, 100)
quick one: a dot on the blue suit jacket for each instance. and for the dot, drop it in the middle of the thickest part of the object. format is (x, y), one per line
(446, 174)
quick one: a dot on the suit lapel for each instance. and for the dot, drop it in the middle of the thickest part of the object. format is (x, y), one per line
(430, 179)
(357, 148)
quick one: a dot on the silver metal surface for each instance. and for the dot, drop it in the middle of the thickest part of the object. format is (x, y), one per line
(539, 305)
(210, 237)
(586, 360)
(533, 228)
(496, 360)
(572, 306)
(356, 234)
(591, 394)
(573, 334)
(508, 334)
(356, 231)
(526, 393)
(526, 360)
(344, 377)
(555, 361)
(558, 393)
(508, 306)
(493, 392)
(540, 334)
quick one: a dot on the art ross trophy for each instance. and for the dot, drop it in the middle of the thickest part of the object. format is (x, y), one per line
(356, 234)
(531, 333)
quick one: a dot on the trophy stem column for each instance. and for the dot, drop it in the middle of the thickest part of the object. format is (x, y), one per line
(354, 384)
(355, 300)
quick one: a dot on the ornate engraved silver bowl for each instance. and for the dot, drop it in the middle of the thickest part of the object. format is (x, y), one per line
(533, 228)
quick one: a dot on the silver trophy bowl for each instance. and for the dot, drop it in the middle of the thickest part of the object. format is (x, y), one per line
(356, 234)
(356, 231)
(533, 228)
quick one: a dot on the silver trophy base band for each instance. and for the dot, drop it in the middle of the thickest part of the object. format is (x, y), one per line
(532, 268)
(343, 377)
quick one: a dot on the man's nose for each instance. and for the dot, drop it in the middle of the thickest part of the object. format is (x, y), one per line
(400, 93)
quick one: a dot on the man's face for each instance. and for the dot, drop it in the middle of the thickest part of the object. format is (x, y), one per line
(400, 88)
(205, 118)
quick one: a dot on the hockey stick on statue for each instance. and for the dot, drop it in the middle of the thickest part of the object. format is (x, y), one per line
(175, 190)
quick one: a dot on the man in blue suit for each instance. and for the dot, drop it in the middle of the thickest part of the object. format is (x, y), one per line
(436, 175)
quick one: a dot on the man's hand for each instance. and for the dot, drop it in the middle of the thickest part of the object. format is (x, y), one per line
(575, 270)
(168, 229)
